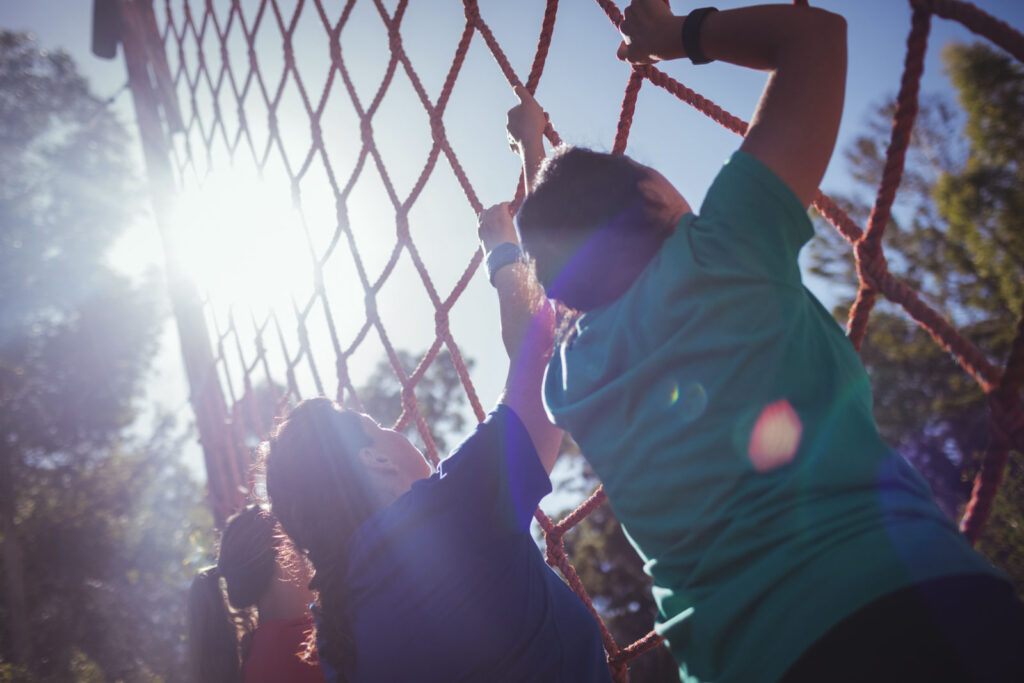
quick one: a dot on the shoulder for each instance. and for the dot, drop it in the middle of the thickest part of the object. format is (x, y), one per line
(746, 189)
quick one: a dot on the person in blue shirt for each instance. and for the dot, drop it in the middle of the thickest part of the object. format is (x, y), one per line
(425, 576)
(726, 413)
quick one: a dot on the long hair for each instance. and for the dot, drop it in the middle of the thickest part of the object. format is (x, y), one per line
(321, 494)
(219, 626)
(584, 226)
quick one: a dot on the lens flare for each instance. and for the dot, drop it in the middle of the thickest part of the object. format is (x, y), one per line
(692, 401)
(686, 400)
(776, 436)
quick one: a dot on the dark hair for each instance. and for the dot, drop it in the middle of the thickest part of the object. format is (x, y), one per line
(584, 226)
(321, 494)
(218, 634)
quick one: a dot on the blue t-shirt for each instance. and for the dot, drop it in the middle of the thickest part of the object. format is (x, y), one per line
(447, 583)
(730, 420)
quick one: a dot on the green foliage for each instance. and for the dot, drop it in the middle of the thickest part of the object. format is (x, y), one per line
(957, 236)
(12, 673)
(110, 547)
(1003, 541)
(95, 525)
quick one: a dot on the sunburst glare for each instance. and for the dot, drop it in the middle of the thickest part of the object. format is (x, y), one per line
(241, 241)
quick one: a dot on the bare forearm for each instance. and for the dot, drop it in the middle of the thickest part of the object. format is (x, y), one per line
(794, 128)
(533, 156)
(761, 37)
(525, 126)
(517, 303)
(771, 37)
(526, 323)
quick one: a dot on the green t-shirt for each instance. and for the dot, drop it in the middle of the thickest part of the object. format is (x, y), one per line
(730, 420)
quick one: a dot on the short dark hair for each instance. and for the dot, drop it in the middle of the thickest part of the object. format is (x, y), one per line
(583, 225)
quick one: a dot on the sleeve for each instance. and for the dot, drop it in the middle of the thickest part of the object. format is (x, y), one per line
(497, 470)
(751, 223)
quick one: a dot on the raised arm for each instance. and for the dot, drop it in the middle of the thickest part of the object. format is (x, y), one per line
(525, 127)
(527, 330)
(793, 130)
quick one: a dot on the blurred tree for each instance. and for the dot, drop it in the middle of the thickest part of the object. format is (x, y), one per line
(957, 236)
(83, 557)
(110, 547)
(438, 395)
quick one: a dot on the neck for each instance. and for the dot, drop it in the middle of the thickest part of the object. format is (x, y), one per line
(287, 598)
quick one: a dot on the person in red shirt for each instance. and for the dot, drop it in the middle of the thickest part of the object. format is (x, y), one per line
(257, 631)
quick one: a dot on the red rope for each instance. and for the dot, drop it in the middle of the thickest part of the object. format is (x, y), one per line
(868, 249)
(245, 83)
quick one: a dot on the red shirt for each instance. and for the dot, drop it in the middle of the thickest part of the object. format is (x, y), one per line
(273, 654)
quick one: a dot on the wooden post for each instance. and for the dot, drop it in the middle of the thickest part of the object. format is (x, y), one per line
(157, 115)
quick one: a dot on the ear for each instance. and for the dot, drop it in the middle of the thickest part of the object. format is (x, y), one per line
(649, 190)
(376, 460)
(663, 205)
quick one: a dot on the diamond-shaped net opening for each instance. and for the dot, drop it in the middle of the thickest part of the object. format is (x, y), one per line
(343, 110)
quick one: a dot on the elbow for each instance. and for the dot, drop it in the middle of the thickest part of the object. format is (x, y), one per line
(808, 36)
(829, 26)
(837, 25)
(819, 39)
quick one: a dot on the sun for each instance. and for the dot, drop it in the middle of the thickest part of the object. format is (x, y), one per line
(239, 238)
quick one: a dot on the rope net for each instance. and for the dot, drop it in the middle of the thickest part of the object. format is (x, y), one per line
(215, 59)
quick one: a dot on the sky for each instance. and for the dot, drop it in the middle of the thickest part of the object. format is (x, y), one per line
(244, 234)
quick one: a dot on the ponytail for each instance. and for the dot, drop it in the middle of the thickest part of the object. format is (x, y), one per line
(219, 632)
(213, 652)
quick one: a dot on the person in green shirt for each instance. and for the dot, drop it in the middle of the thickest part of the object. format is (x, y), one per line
(725, 411)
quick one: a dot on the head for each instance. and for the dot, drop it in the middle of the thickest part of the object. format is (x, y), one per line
(248, 563)
(328, 471)
(592, 223)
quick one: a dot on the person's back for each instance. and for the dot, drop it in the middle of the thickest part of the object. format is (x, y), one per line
(727, 415)
(730, 421)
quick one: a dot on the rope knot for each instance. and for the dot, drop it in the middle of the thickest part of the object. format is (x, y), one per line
(441, 322)
(472, 11)
(408, 399)
(341, 370)
(872, 266)
(335, 49)
(554, 553)
(371, 305)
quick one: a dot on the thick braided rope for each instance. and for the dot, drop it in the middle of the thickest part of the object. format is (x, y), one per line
(241, 84)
